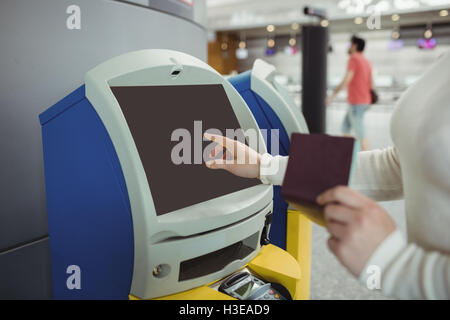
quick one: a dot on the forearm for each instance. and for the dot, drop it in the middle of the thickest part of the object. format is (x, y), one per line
(408, 271)
(336, 90)
(378, 175)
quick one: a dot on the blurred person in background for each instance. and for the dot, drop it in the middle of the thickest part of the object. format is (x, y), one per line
(358, 80)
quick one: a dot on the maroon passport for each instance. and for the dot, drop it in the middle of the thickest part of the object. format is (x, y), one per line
(317, 162)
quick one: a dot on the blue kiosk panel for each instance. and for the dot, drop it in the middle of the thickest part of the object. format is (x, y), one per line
(267, 119)
(89, 214)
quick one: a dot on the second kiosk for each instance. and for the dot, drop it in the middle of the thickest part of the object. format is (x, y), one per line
(275, 111)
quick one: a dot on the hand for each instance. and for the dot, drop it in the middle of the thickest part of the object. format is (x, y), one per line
(329, 100)
(357, 226)
(239, 159)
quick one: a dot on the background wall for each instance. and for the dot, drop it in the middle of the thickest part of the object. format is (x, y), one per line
(287, 65)
(391, 67)
(394, 70)
(41, 61)
(222, 53)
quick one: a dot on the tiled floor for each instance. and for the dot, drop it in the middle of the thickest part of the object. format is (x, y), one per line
(329, 279)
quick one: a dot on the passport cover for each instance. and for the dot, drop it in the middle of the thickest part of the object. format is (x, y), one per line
(317, 162)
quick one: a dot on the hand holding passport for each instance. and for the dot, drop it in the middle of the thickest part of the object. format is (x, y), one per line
(317, 162)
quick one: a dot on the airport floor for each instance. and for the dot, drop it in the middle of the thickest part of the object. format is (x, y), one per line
(329, 279)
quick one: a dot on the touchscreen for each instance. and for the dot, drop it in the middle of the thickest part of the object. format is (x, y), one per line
(153, 114)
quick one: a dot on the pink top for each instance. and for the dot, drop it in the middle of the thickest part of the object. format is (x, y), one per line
(361, 83)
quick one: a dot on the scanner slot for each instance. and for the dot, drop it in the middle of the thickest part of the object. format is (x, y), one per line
(217, 260)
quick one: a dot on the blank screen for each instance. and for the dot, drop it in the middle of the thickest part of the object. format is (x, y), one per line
(152, 114)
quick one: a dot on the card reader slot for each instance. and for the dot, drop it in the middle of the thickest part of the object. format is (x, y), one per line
(236, 278)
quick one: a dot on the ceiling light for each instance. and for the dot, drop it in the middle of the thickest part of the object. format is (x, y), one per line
(395, 35)
(344, 4)
(395, 17)
(358, 20)
(407, 4)
(270, 28)
(324, 23)
(382, 6)
(241, 53)
(443, 13)
(295, 26)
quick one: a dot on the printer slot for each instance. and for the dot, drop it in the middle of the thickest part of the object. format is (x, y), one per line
(217, 260)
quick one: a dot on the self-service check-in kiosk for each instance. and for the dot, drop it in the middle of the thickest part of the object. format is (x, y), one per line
(133, 211)
(274, 108)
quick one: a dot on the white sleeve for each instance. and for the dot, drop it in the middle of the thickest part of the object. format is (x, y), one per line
(378, 174)
(408, 271)
(272, 169)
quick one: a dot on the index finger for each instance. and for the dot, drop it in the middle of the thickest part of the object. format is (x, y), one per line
(225, 142)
